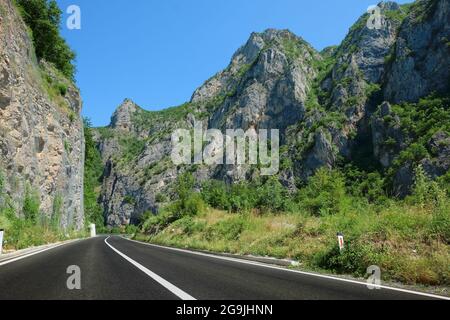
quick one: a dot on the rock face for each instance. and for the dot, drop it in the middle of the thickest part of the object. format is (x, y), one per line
(421, 59)
(266, 83)
(41, 132)
(333, 107)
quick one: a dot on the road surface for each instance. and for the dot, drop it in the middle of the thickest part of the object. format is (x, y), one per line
(114, 268)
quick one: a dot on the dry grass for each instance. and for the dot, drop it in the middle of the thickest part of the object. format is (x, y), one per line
(398, 238)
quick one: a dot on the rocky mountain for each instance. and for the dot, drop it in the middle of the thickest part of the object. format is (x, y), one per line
(41, 132)
(348, 105)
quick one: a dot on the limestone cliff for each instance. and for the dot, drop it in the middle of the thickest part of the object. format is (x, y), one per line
(41, 132)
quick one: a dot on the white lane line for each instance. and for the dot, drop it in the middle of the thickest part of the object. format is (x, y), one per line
(289, 270)
(33, 253)
(166, 284)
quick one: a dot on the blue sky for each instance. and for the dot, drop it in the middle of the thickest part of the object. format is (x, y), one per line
(158, 52)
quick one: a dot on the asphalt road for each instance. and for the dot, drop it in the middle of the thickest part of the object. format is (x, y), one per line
(118, 269)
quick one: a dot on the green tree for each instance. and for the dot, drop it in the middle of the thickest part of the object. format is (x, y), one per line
(93, 172)
(43, 17)
(324, 194)
(189, 202)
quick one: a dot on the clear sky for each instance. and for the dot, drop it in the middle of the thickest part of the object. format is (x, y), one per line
(157, 52)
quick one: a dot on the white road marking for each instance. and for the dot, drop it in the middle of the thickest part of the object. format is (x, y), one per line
(289, 270)
(175, 290)
(33, 253)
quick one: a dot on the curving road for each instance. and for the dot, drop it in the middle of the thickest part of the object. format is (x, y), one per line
(113, 268)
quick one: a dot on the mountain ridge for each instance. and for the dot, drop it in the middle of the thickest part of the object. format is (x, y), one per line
(327, 107)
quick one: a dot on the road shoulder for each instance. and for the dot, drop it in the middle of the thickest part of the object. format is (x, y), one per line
(28, 252)
(287, 265)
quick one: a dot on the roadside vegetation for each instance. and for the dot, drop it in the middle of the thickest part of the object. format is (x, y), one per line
(408, 239)
(26, 225)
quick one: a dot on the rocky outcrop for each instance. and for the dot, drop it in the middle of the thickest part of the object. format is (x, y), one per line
(387, 134)
(272, 74)
(41, 133)
(420, 63)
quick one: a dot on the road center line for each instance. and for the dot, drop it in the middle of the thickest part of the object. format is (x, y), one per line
(289, 270)
(175, 290)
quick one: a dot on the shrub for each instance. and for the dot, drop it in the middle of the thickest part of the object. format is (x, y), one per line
(230, 229)
(31, 206)
(189, 226)
(426, 191)
(55, 220)
(190, 206)
(372, 188)
(354, 259)
(131, 229)
(129, 200)
(161, 198)
(324, 194)
(242, 198)
(216, 194)
(62, 88)
(152, 224)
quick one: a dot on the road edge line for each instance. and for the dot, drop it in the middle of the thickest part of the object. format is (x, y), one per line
(166, 284)
(3, 263)
(429, 295)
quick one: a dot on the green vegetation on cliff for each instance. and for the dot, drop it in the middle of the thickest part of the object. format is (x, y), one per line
(93, 172)
(29, 226)
(43, 17)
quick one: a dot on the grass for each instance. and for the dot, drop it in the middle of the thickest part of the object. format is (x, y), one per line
(408, 239)
(22, 234)
(398, 238)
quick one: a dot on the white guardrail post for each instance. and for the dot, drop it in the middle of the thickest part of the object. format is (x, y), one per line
(1, 241)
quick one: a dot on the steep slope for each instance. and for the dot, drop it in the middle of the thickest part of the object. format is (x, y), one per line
(333, 109)
(41, 133)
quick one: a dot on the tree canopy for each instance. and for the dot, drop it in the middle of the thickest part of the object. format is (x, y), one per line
(43, 17)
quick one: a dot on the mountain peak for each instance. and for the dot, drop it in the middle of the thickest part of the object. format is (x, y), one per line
(389, 5)
(121, 118)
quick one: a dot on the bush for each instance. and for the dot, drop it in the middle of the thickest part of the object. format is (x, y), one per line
(189, 202)
(230, 229)
(131, 229)
(31, 206)
(216, 194)
(189, 226)
(426, 191)
(242, 198)
(325, 193)
(354, 259)
(269, 196)
(62, 88)
(191, 206)
(152, 224)
(161, 198)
